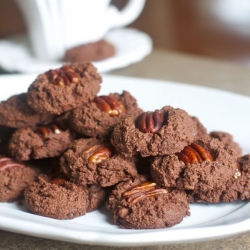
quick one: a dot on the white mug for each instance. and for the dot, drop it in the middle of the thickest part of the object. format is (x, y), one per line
(57, 25)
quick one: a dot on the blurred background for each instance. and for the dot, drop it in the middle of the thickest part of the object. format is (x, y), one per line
(216, 28)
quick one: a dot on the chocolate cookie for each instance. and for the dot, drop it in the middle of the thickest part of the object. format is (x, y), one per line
(161, 132)
(236, 188)
(90, 52)
(43, 142)
(15, 113)
(97, 118)
(228, 140)
(202, 166)
(61, 199)
(14, 177)
(89, 161)
(140, 204)
(60, 90)
(239, 186)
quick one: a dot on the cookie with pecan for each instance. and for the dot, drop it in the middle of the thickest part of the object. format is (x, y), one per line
(90, 161)
(60, 90)
(161, 132)
(97, 118)
(16, 113)
(139, 203)
(14, 177)
(202, 166)
(43, 142)
(60, 199)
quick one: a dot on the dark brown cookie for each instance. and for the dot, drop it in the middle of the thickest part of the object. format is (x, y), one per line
(140, 204)
(60, 90)
(15, 113)
(97, 118)
(228, 140)
(161, 132)
(236, 188)
(43, 142)
(90, 52)
(202, 166)
(239, 186)
(61, 199)
(244, 169)
(14, 177)
(89, 161)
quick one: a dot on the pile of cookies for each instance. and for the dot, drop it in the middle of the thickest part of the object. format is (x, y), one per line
(67, 150)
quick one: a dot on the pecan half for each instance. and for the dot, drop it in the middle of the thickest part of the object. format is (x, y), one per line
(44, 131)
(150, 122)
(6, 163)
(98, 153)
(194, 153)
(110, 105)
(142, 191)
(63, 76)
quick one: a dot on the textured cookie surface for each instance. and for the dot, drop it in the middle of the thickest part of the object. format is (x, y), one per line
(60, 90)
(61, 200)
(228, 140)
(88, 161)
(185, 172)
(176, 131)
(92, 121)
(134, 207)
(44, 142)
(236, 188)
(15, 113)
(14, 177)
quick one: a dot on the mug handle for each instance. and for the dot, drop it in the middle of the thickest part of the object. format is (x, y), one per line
(127, 15)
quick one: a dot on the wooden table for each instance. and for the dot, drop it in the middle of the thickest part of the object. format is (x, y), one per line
(164, 65)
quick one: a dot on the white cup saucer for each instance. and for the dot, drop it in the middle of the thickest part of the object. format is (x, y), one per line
(131, 46)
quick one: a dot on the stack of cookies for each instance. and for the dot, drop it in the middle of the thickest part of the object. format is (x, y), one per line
(67, 150)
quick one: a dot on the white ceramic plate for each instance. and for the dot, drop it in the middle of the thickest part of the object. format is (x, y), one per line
(217, 110)
(131, 46)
